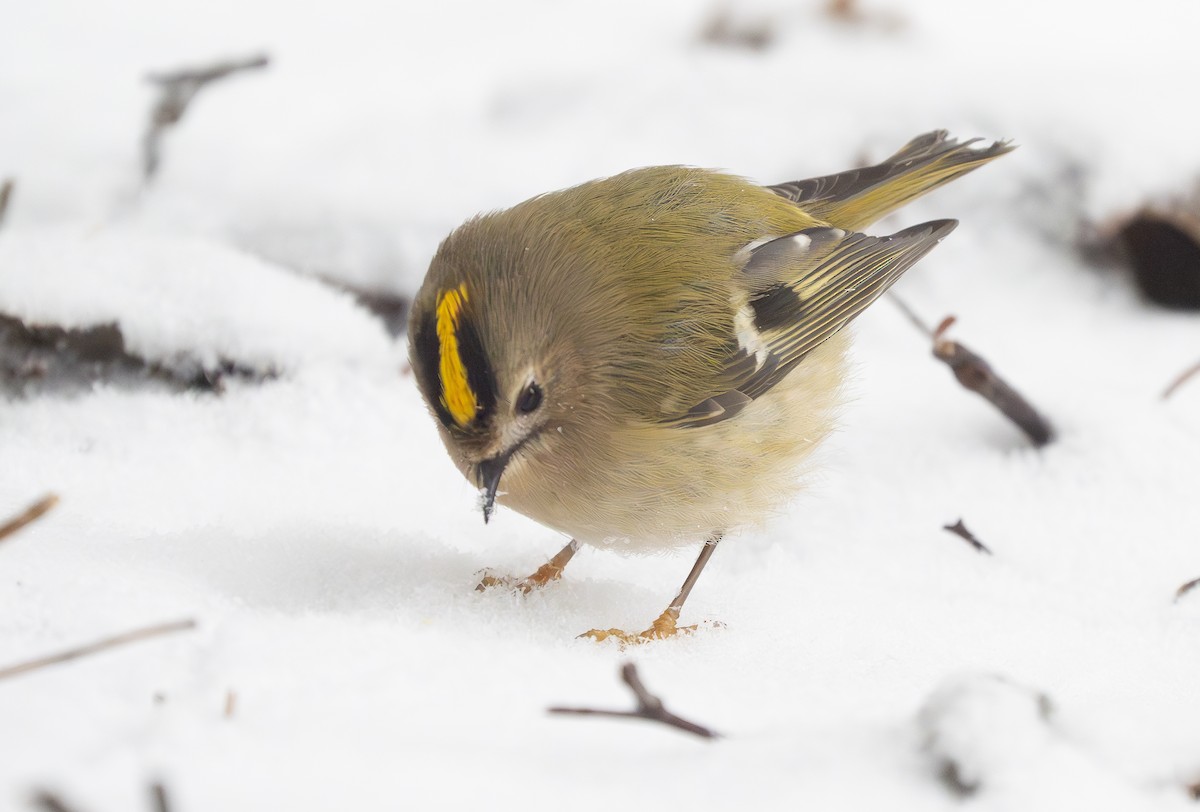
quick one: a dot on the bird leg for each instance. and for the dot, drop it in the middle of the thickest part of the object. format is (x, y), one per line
(550, 571)
(665, 625)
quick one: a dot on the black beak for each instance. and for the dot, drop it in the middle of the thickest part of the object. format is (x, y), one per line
(489, 473)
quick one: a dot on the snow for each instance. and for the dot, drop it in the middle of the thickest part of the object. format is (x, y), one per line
(317, 532)
(177, 294)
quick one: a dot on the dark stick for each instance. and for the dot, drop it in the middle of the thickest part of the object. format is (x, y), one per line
(910, 314)
(31, 514)
(211, 73)
(6, 190)
(178, 89)
(1181, 379)
(649, 707)
(1186, 588)
(50, 802)
(843, 9)
(977, 375)
(98, 646)
(959, 529)
(158, 796)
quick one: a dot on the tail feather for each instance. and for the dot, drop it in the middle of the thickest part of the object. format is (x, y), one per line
(858, 197)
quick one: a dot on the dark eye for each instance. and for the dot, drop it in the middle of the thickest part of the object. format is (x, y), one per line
(529, 399)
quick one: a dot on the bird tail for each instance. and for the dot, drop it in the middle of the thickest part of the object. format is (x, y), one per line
(858, 197)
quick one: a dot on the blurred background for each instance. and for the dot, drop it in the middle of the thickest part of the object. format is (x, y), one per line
(377, 127)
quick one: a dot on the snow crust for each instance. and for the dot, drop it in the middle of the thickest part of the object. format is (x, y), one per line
(179, 294)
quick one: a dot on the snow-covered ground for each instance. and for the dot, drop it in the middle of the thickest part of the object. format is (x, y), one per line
(315, 529)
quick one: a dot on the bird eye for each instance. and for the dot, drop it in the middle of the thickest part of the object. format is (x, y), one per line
(529, 399)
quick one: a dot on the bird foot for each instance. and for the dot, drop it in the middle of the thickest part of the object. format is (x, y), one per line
(548, 572)
(663, 627)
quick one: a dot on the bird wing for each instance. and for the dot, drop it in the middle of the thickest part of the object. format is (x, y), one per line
(858, 197)
(803, 288)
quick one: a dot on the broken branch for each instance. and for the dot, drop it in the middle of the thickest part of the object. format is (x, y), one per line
(1186, 588)
(31, 514)
(178, 89)
(98, 646)
(158, 796)
(1181, 379)
(649, 707)
(50, 802)
(977, 375)
(849, 12)
(6, 190)
(724, 30)
(202, 76)
(959, 529)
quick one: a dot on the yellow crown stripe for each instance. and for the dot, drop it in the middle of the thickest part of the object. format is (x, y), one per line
(457, 395)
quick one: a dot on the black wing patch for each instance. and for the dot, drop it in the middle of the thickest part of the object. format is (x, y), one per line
(826, 277)
(776, 307)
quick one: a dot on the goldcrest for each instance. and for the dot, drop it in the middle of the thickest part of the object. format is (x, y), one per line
(646, 361)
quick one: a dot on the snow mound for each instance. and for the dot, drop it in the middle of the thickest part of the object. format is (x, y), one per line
(181, 296)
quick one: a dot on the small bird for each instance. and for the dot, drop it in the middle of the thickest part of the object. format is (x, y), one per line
(646, 361)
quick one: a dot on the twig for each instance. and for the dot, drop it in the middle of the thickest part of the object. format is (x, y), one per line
(1186, 588)
(722, 29)
(6, 190)
(1181, 379)
(98, 646)
(48, 801)
(843, 10)
(230, 703)
(959, 529)
(201, 76)
(158, 797)
(649, 707)
(977, 375)
(31, 514)
(178, 89)
(849, 12)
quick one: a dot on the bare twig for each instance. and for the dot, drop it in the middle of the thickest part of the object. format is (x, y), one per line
(723, 29)
(977, 375)
(1186, 588)
(31, 514)
(910, 314)
(6, 190)
(959, 529)
(843, 10)
(230, 703)
(848, 12)
(178, 89)
(202, 76)
(158, 797)
(649, 707)
(50, 802)
(98, 646)
(1181, 379)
